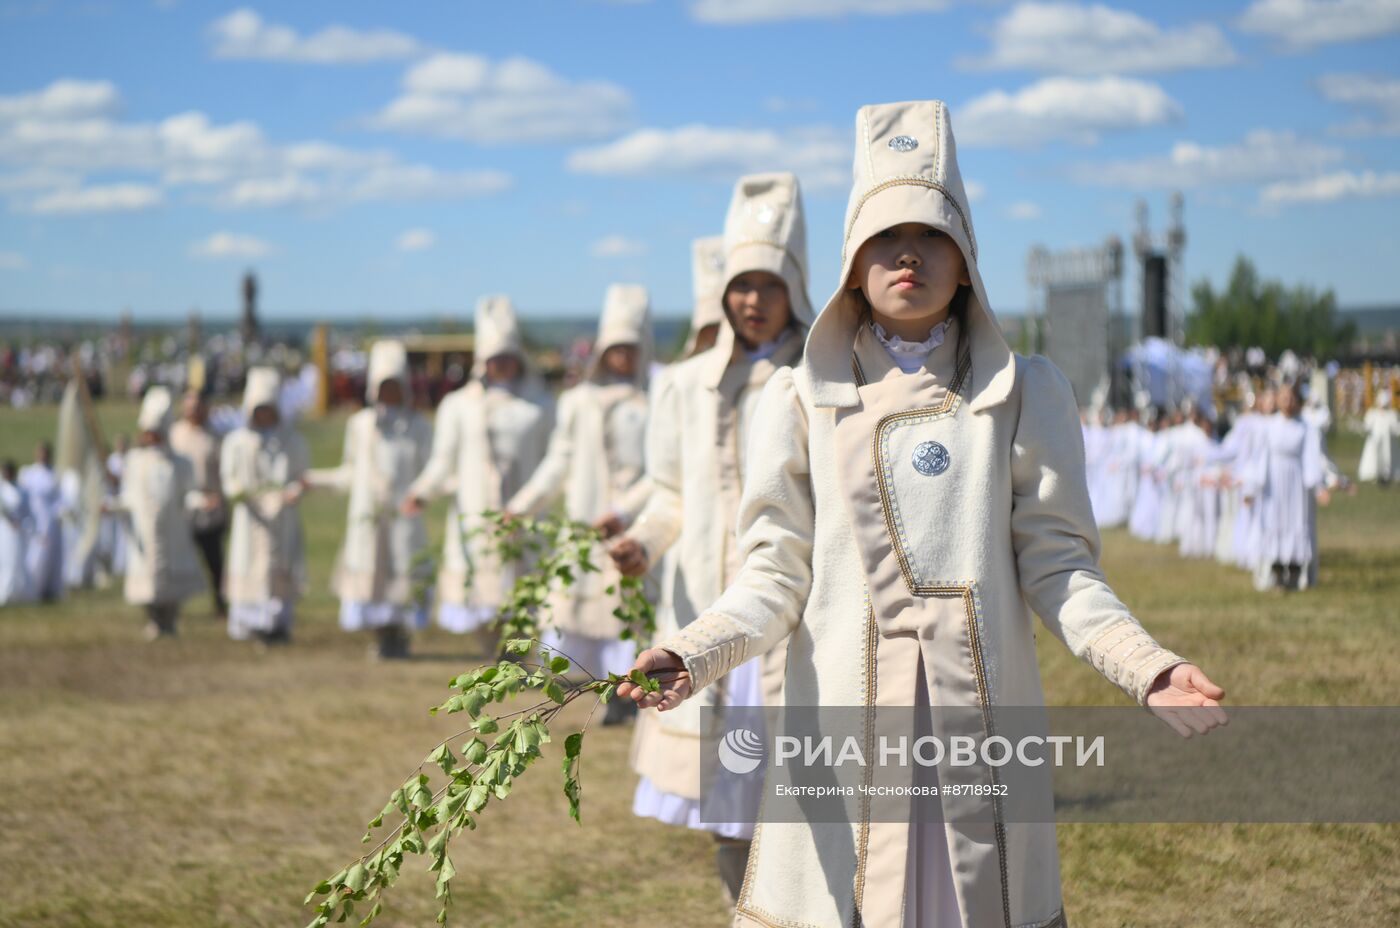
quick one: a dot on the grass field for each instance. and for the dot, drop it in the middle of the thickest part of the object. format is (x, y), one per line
(199, 783)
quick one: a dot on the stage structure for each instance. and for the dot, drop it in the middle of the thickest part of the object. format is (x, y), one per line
(1161, 275)
(1078, 320)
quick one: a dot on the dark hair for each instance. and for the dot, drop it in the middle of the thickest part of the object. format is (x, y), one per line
(8, 468)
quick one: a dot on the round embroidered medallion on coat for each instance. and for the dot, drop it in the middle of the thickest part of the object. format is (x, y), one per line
(931, 459)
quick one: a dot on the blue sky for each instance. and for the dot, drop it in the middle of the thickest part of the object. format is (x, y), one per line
(403, 159)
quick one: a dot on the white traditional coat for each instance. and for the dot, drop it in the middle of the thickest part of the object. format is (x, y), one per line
(158, 496)
(839, 521)
(386, 447)
(487, 441)
(1380, 456)
(596, 456)
(696, 460)
(266, 570)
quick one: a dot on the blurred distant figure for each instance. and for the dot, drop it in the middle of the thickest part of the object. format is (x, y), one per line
(1379, 459)
(263, 468)
(14, 521)
(488, 438)
(192, 439)
(1286, 483)
(111, 538)
(595, 458)
(377, 576)
(157, 497)
(44, 544)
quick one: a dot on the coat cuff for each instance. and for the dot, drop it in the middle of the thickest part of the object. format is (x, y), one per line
(710, 646)
(1129, 657)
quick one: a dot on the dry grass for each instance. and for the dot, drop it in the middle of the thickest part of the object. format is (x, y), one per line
(197, 783)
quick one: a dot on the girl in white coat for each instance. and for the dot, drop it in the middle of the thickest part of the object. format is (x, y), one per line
(595, 457)
(157, 500)
(377, 575)
(1380, 460)
(697, 457)
(262, 467)
(489, 435)
(922, 476)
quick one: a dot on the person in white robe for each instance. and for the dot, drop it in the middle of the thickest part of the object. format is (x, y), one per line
(379, 576)
(1380, 456)
(262, 468)
(157, 498)
(15, 585)
(192, 438)
(489, 435)
(1199, 505)
(898, 524)
(111, 538)
(1250, 457)
(698, 452)
(596, 455)
(1147, 500)
(43, 552)
(1287, 484)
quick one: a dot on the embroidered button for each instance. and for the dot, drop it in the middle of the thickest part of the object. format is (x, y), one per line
(931, 459)
(904, 143)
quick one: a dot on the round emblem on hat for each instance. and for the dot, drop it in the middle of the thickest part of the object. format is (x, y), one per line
(904, 143)
(931, 459)
(765, 214)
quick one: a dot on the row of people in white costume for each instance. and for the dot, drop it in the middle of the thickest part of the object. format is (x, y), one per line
(1247, 500)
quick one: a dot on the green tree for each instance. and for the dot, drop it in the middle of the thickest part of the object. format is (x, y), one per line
(1250, 311)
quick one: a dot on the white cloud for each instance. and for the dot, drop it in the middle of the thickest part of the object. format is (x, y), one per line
(1262, 155)
(244, 34)
(1023, 210)
(467, 97)
(230, 245)
(13, 261)
(1063, 109)
(617, 246)
(974, 190)
(1071, 38)
(63, 99)
(821, 157)
(754, 11)
(421, 182)
(58, 138)
(1327, 188)
(416, 240)
(1381, 95)
(1299, 24)
(107, 198)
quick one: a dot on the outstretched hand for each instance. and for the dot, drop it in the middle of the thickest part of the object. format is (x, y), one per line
(1184, 698)
(668, 670)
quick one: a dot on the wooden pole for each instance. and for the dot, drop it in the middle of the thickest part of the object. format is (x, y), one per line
(89, 414)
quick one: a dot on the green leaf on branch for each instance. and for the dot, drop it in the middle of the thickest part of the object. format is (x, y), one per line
(474, 751)
(518, 646)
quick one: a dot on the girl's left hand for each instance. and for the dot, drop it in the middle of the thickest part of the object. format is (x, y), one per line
(1184, 698)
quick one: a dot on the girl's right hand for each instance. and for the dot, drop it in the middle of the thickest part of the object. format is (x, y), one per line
(669, 670)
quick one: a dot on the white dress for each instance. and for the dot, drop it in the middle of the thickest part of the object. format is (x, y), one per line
(1147, 501)
(1380, 456)
(376, 576)
(1287, 474)
(266, 570)
(14, 519)
(44, 541)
